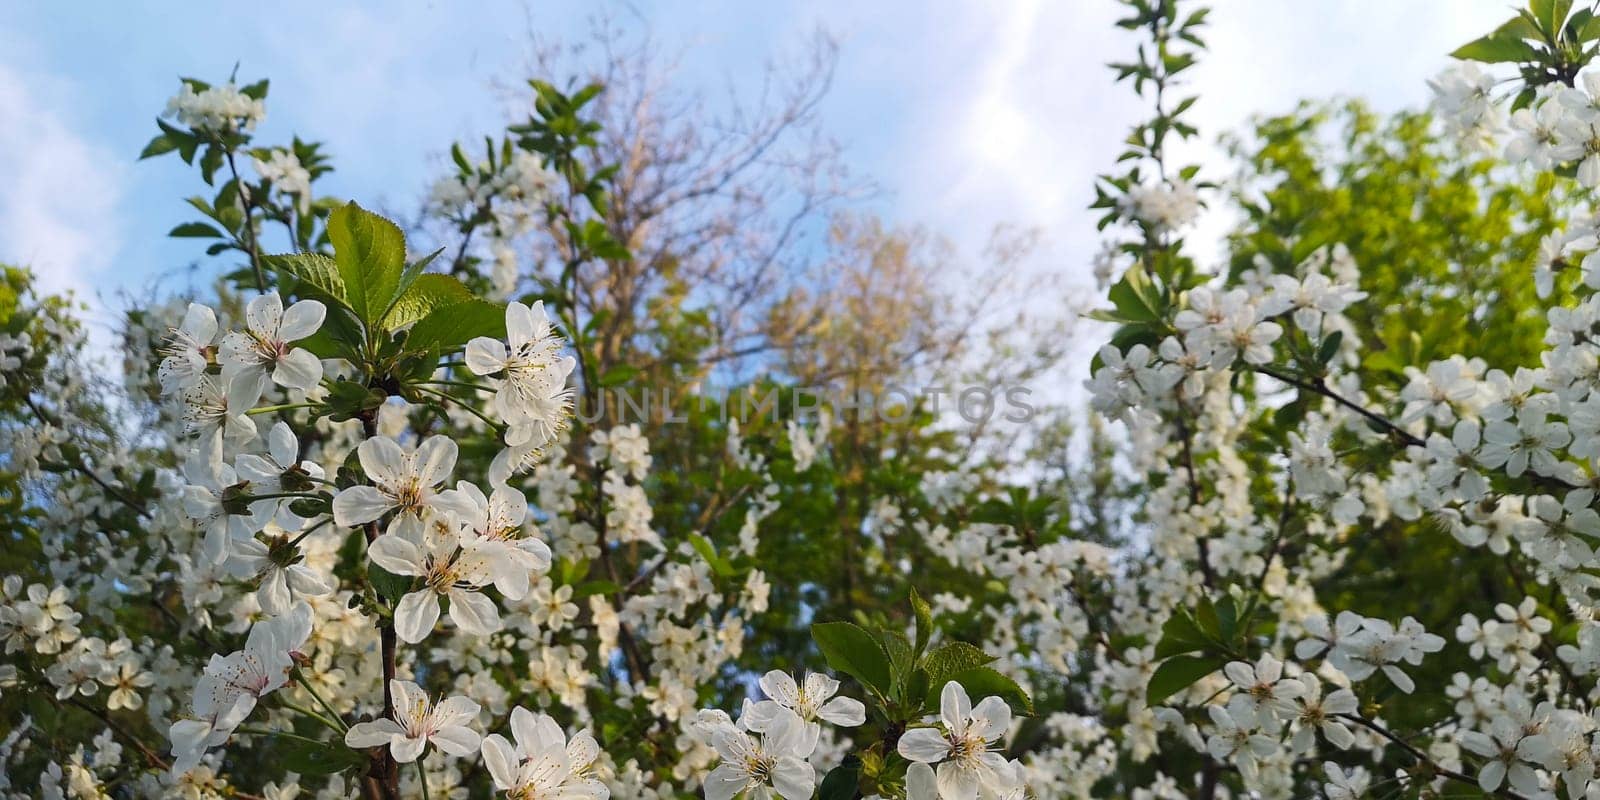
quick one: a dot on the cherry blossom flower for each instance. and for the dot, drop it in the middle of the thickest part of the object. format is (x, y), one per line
(280, 471)
(968, 766)
(1266, 696)
(414, 549)
(277, 571)
(213, 501)
(532, 392)
(215, 414)
(417, 722)
(190, 349)
(492, 526)
(230, 686)
(543, 763)
(1343, 785)
(764, 764)
(262, 350)
(405, 480)
(813, 700)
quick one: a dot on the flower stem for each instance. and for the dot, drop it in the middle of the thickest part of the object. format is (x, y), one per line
(280, 734)
(334, 715)
(314, 715)
(280, 407)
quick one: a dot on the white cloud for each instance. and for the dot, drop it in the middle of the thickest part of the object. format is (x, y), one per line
(1014, 111)
(59, 209)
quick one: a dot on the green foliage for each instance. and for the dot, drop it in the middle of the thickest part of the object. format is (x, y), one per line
(308, 758)
(841, 781)
(1444, 237)
(370, 252)
(1215, 630)
(853, 651)
(453, 325)
(1548, 39)
(906, 680)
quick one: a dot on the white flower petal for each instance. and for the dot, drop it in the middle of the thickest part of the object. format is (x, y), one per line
(301, 320)
(372, 734)
(924, 744)
(415, 616)
(359, 505)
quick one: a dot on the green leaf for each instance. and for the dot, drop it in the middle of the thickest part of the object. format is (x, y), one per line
(1521, 26)
(1329, 347)
(588, 588)
(852, 650)
(389, 586)
(981, 682)
(309, 507)
(916, 686)
(1590, 29)
(840, 783)
(1550, 14)
(901, 659)
(255, 91)
(452, 326)
(1179, 673)
(165, 143)
(340, 335)
(371, 253)
(414, 269)
(316, 269)
(1181, 634)
(717, 562)
(196, 230)
(1135, 297)
(308, 758)
(348, 399)
(924, 615)
(210, 162)
(952, 659)
(426, 294)
(1496, 49)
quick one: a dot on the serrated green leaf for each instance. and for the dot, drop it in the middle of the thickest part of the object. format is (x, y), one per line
(164, 143)
(951, 659)
(850, 649)
(371, 253)
(841, 782)
(452, 326)
(901, 658)
(315, 269)
(1135, 297)
(981, 682)
(414, 269)
(389, 586)
(1329, 347)
(426, 294)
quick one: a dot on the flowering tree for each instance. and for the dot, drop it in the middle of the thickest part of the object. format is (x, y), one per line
(344, 529)
(351, 538)
(1312, 419)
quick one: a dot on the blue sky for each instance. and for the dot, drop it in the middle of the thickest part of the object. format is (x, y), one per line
(965, 114)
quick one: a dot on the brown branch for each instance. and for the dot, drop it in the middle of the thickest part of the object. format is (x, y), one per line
(1422, 758)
